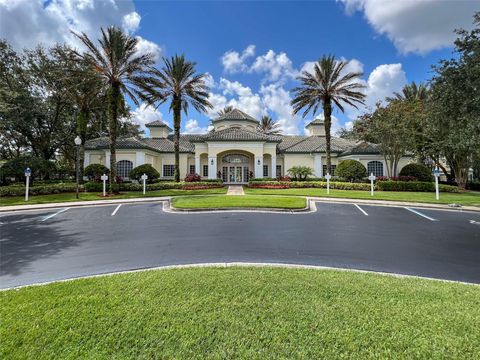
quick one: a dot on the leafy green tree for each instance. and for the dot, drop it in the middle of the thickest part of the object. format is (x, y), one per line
(122, 71)
(326, 86)
(41, 168)
(268, 126)
(147, 169)
(178, 83)
(95, 170)
(411, 92)
(454, 106)
(351, 170)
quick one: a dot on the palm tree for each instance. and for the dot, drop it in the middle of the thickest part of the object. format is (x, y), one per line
(411, 92)
(268, 126)
(225, 110)
(326, 86)
(178, 82)
(122, 71)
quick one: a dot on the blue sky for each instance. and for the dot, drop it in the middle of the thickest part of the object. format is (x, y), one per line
(254, 49)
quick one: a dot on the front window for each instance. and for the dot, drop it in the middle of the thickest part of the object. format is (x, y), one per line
(192, 169)
(235, 159)
(123, 168)
(168, 170)
(375, 167)
(265, 170)
(333, 167)
(205, 170)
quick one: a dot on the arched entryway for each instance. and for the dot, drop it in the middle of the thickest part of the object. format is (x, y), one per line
(235, 167)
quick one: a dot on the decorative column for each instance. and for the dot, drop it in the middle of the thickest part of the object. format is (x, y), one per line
(317, 165)
(274, 166)
(259, 166)
(139, 158)
(107, 159)
(197, 165)
(212, 167)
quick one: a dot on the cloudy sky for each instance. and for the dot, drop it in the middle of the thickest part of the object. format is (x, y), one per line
(253, 50)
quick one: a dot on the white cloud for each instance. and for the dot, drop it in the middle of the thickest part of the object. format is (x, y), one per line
(218, 102)
(144, 114)
(383, 81)
(131, 21)
(209, 81)
(276, 66)
(242, 98)
(277, 100)
(234, 62)
(145, 46)
(192, 127)
(28, 23)
(353, 65)
(414, 25)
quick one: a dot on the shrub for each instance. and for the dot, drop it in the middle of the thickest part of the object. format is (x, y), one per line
(300, 172)
(147, 169)
(473, 185)
(37, 190)
(193, 178)
(419, 171)
(41, 169)
(308, 184)
(94, 171)
(413, 186)
(396, 178)
(351, 170)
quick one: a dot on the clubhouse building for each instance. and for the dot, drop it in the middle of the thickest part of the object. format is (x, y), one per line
(234, 151)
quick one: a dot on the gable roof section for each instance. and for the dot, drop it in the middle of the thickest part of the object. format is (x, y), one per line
(312, 144)
(235, 114)
(237, 134)
(157, 123)
(364, 148)
(155, 144)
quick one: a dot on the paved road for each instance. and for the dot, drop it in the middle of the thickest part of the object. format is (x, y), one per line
(44, 246)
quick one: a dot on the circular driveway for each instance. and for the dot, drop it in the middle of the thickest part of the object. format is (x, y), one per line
(48, 245)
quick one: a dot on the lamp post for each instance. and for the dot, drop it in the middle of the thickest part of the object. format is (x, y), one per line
(78, 142)
(436, 173)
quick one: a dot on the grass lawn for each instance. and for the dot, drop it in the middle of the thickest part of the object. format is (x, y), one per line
(66, 197)
(246, 313)
(465, 198)
(209, 202)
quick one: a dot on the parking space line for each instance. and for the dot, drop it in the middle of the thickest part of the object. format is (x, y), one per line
(52, 215)
(363, 211)
(116, 209)
(420, 214)
(473, 222)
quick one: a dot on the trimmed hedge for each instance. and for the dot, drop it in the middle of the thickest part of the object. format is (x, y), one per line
(95, 170)
(137, 172)
(351, 170)
(37, 190)
(98, 187)
(419, 171)
(413, 186)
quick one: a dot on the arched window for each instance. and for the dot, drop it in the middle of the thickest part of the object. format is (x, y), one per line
(375, 167)
(235, 159)
(123, 168)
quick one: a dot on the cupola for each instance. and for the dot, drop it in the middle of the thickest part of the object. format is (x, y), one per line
(158, 129)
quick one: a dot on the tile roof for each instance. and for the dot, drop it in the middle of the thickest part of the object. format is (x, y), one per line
(157, 123)
(286, 143)
(317, 121)
(235, 114)
(363, 147)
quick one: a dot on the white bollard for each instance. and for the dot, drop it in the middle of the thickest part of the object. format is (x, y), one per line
(372, 179)
(436, 173)
(28, 172)
(144, 178)
(328, 177)
(104, 178)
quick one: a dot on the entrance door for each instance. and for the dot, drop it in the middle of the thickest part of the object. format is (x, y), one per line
(235, 168)
(235, 174)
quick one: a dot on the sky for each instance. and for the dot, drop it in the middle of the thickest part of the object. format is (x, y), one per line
(253, 51)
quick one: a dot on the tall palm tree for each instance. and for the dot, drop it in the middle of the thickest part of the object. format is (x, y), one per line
(122, 71)
(411, 92)
(268, 126)
(225, 110)
(326, 86)
(178, 83)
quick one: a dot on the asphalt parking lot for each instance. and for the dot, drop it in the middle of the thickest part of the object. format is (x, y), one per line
(47, 245)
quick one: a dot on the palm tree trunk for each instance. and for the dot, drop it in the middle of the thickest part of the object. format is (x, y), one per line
(327, 115)
(176, 140)
(114, 99)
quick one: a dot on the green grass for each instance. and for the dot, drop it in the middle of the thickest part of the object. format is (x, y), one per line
(246, 313)
(464, 198)
(66, 197)
(209, 202)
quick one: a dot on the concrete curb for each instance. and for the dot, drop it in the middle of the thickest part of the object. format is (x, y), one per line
(244, 264)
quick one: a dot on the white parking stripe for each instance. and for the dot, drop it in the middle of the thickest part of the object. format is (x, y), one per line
(420, 214)
(58, 212)
(359, 208)
(473, 222)
(116, 209)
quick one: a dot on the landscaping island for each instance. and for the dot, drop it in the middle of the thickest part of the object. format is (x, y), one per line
(242, 312)
(233, 202)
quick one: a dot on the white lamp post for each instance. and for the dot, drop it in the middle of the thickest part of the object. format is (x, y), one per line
(328, 177)
(104, 178)
(372, 179)
(436, 173)
(144, 177)
(78, 142)
(28, 172)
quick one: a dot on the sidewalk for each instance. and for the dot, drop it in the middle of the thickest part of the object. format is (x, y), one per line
(236, 190)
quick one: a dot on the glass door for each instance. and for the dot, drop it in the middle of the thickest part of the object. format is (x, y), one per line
(238, 177)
